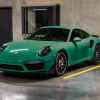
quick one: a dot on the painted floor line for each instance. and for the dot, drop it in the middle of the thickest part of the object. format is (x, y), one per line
(81, 72)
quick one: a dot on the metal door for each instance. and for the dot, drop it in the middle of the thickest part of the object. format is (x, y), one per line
(5, 25)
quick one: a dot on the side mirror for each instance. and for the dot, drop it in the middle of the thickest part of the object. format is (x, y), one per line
(76, 39)
(25, 36)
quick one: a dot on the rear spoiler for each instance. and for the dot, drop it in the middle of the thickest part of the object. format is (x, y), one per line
(95, 36)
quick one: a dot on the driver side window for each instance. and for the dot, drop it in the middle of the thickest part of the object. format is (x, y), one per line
(78, 33)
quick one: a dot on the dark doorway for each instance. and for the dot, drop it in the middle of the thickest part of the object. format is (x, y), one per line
(42, 17)
(5, 25)
(35, 17)
(47, 16)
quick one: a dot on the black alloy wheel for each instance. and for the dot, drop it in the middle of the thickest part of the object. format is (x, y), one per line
(61, 62)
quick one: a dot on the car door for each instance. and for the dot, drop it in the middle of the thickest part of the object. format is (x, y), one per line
(81, 46)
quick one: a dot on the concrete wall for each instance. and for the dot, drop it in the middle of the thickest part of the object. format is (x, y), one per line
(17, 19)
(8, 3)
(5, 3)
(17, 14)
(40, 2)
(82, 13)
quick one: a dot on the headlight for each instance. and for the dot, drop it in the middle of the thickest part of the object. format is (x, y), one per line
(44, 51)
(3, 47)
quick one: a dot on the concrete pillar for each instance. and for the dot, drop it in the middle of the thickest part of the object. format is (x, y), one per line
(66, 13)
(31, 21)
(17, 19)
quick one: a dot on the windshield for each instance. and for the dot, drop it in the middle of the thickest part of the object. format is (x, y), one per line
(50, 34)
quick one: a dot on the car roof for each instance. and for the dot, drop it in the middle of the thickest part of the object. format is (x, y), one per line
(63, 27)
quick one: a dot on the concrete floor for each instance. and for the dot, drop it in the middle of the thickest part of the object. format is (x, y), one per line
(83, 87)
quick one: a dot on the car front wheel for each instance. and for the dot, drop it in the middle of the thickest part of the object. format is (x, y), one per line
(60, 66)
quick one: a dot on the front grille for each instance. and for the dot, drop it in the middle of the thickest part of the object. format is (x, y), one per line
(35, 66)
(11, 67)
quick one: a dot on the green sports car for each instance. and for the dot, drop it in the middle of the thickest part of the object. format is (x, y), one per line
(50, 49)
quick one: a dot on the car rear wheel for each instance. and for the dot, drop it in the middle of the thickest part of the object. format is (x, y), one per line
(60, 66)
(97, 55)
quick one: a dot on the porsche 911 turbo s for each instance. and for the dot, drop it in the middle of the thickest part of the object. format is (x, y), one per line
(50, 49)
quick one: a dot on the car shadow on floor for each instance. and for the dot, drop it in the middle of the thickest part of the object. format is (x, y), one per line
(79, 66)
(10, 78)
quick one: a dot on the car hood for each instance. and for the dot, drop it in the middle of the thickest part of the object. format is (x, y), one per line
(26, 45)
(26, 49)
(32, 44)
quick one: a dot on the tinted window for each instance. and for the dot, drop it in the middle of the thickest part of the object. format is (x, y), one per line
(79, 33)
(50, 34)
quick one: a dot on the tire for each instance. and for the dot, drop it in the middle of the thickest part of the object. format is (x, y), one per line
(96, 59)
(60, 64)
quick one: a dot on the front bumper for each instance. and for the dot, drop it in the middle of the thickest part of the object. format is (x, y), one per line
(20, 63)
(31, 66)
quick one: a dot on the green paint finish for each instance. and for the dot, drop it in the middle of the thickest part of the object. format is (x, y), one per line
(22, 52)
